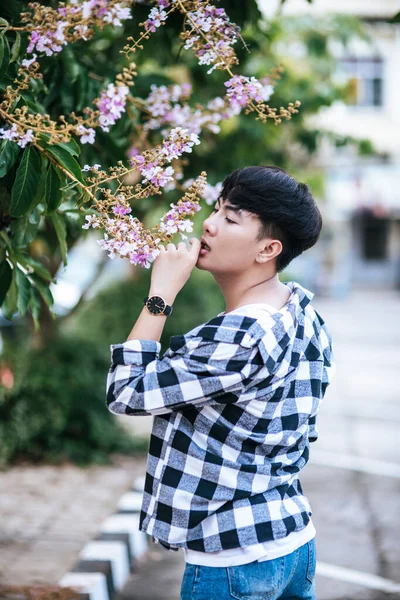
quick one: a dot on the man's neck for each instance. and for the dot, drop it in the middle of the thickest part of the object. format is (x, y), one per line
(244, 289)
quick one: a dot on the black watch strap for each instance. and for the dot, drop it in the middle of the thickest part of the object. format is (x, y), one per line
(167, 309)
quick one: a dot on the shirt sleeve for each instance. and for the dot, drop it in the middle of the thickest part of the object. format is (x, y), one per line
(215, 364)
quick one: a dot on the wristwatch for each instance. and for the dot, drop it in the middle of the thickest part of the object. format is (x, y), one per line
(156, 305)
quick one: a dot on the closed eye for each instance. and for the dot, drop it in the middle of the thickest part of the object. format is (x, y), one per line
(215, 209)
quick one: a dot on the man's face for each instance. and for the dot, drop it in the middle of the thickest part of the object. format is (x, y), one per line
(231, 234)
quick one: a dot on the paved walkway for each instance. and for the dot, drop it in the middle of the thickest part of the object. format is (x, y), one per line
(49, 513)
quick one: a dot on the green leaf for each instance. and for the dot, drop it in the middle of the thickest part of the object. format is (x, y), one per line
(26, 182)
(66, 160)
(70, 185)
(39, 196)
(61, 231)
(34, 305)
(16, 47)
(9, 306)
(8, 155)
(5, 279)
(52, 192)
(27, 261)
(71, 146)
(4, 200)
(22, 232)
(4, 55)
(83, 198)
(24, 229)
(43, 289)
(24, 291)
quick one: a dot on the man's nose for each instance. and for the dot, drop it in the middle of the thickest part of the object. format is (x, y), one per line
(209, 226)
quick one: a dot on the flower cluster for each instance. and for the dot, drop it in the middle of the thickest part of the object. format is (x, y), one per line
(48, 41)
(214, 48)
(172, 221)
(210, 193)
(243, 89)
(207, 31)
(210, 35)
(124, 235)
(156, 18)
(15, 134)
(48, 34)
(150, 163)
(167, 106)
(111, 105)
(244, 92)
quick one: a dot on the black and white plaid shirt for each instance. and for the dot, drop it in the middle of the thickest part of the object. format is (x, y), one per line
(235, 402)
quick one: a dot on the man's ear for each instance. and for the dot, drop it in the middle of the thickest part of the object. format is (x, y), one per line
(269, 250)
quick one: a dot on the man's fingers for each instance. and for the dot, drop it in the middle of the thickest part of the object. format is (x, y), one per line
(195, 246)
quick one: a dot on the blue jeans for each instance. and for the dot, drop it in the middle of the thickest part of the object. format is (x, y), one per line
(291, 577)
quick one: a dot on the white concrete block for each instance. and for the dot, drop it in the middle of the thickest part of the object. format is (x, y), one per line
(120, 523)
(94, 584)
(130, 501)
(138, 484)
(115, 552)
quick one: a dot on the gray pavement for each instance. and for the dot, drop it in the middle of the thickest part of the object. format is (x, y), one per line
(48, 513)
(355, 508)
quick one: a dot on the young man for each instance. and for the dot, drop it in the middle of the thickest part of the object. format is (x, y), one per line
(234, 400)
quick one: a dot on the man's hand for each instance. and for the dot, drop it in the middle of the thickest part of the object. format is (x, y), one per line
(172, 269)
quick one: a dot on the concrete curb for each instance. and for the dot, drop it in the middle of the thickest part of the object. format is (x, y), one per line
(105, 563)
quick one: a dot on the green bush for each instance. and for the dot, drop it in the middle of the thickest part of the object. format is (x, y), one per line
(57, 410)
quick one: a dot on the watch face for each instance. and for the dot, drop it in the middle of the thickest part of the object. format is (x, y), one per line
(156, 305)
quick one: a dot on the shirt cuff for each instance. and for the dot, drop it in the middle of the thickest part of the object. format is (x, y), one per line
(135, 352)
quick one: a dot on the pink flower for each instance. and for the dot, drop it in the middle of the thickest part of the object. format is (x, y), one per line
(157, 176)
(87, 134)
(14, 135)
(26, 138)
(133, 151)
(242, 90)
(48, 41)
(111, 105)
(121, 210)
(157, 16)
(28, 62)
(91, 221)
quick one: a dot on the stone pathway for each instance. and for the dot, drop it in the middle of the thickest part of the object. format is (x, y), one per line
(48, 513)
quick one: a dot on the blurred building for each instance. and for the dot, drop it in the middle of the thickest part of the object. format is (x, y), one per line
(361, 239)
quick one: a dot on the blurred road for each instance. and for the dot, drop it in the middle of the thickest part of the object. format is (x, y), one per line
(353, 477)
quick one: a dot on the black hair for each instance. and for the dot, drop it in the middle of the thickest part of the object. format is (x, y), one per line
(286, 209)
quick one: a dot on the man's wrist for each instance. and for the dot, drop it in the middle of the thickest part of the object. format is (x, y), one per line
(168, 296)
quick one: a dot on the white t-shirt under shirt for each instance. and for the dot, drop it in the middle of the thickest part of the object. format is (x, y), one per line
(259, 552)
(256, 552)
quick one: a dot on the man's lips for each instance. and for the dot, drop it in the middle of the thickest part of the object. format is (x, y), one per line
(205, 248)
